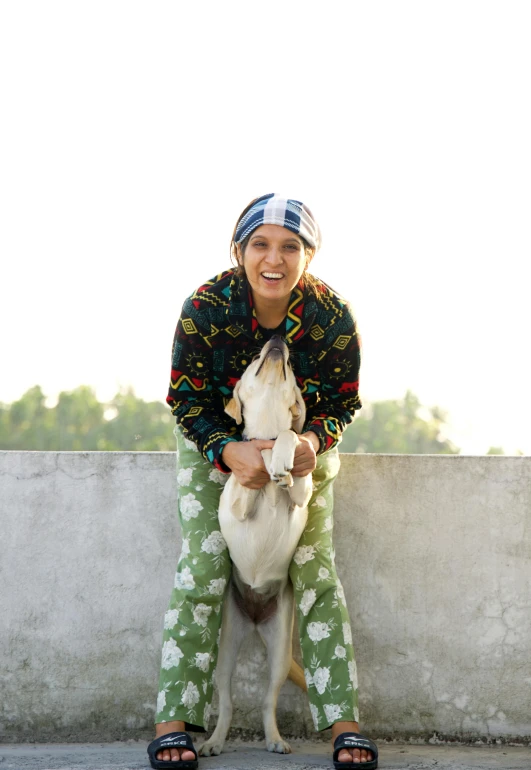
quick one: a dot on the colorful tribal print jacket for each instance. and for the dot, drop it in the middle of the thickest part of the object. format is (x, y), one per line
(216, 338)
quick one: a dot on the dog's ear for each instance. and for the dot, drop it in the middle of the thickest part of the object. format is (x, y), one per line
(298, 410)
(234, 407)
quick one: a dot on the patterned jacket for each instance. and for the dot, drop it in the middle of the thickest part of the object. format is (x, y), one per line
(216, 338)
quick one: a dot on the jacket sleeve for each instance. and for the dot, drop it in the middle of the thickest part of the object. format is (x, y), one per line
(339, 374)
(198, 406)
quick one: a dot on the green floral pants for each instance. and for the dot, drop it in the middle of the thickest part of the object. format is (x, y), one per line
(193, 621)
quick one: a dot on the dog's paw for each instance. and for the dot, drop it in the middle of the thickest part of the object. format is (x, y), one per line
(210, 749)
(283, 477)
(280, 467)
(279, 746)
(279, 471)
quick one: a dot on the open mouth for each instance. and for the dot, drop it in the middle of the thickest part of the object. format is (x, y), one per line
(272, 277)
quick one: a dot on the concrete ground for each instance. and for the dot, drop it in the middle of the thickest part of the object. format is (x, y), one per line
(306, 755)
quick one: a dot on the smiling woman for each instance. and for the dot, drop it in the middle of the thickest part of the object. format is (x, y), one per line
(273, 262)
(223, 325)
(274, 257)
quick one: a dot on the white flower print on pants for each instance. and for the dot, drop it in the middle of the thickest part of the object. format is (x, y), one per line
(202, 660)
(171, 618)
(184, 477)
(190, 695)
(218, 477)
(161, 700)
(190, 507)
(332, 712)
(321, 677)
(214, 543)
(201, 613)
(307, 601)
(171, 654)
(184, 579)
(303, 554)
(318, 631)
(217, 587)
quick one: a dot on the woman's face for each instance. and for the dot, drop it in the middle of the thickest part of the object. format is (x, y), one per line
(274, 261)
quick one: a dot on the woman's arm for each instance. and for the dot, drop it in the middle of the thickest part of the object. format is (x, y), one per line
(198, 407)
(339, 374)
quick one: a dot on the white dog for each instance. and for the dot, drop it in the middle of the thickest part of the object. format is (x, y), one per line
(262, 528)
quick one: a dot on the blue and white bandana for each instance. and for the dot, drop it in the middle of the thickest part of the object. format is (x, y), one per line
(272, 209)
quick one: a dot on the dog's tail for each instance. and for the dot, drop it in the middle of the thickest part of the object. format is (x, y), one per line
(296, 674)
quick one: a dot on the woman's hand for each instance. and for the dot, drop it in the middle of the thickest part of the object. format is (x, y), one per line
(246, 462)
(305, 454)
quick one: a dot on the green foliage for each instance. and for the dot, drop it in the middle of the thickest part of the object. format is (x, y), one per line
(398, 427)
(79, 422)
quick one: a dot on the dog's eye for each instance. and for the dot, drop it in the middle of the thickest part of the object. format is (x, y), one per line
(256, 357)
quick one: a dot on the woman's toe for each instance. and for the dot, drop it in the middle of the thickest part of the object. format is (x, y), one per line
(354, 755)
(345, 756)
(174, 755)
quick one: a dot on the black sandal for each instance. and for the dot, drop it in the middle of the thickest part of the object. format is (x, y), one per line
(172, 741)
(355, 741)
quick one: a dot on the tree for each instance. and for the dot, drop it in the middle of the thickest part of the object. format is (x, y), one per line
(398, 427)
(137, 424)
(79, 422)
(26, 423)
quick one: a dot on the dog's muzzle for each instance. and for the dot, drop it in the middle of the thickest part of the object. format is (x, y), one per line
(275, 350)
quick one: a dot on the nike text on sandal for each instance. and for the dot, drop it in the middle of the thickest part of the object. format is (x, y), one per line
(355, 741)
(172, 741)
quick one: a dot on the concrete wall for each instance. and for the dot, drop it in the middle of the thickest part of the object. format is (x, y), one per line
(434, 554)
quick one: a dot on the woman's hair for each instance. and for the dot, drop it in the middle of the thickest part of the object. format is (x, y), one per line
(307, 279)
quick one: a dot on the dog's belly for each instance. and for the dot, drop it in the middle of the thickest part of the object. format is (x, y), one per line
(258, 606)
(263, 545)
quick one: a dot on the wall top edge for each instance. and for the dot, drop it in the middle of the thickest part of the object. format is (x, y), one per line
(447, 457)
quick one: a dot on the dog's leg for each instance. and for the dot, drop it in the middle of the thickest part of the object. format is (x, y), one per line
(282, 460)
(267, 455)
(234, 629)
(283, 457)
(301, 491)
(243, 501)
(282, 480)
(277, 635)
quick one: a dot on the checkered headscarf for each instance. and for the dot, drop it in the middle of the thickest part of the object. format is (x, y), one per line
(272, 209)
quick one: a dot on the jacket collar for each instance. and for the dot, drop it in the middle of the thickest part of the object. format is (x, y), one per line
(299, 320)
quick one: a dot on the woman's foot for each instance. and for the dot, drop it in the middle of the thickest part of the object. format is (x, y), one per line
(172, 755)
(350, 755)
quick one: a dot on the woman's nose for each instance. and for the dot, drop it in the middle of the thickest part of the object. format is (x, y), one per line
(274, 255)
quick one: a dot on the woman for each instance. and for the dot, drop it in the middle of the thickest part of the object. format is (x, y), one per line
(222, 325)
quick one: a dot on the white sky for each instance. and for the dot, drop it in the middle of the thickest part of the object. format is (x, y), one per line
(133, 134)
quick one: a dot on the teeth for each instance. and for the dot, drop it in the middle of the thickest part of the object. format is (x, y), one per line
(272, 275)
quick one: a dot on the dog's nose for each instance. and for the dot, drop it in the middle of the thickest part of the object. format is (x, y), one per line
(276, 338)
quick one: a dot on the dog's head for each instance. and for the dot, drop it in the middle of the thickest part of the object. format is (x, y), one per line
(267, 398)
